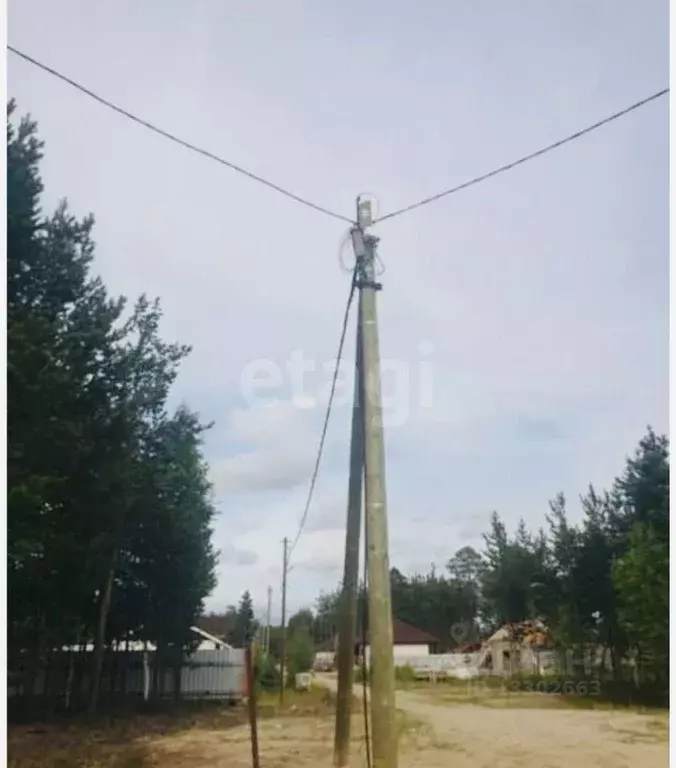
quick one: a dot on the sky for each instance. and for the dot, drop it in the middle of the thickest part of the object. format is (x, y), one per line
(523, 322)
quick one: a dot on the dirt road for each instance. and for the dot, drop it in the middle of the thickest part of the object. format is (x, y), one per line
(477, 736)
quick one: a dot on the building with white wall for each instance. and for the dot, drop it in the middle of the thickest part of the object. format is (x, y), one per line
(409, 642)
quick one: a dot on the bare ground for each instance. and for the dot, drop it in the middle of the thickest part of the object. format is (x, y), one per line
(298, 735)
(437, 728)
(530, 731)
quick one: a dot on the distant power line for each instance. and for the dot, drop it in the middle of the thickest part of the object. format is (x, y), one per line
(525, 159)
(177, 140)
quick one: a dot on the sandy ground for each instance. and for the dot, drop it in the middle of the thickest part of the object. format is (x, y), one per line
(472, 735)
(301, 743)
(436, 729)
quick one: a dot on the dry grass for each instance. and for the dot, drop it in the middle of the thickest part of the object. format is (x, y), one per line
(471, 693)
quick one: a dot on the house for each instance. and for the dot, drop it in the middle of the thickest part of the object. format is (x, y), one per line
(218, 625)
(515, 648)
(409, 643)
(209, 642)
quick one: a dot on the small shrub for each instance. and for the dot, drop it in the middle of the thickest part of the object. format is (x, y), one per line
(267, 674)
(405, 674)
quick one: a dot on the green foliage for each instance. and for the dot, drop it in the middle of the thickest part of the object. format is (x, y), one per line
(304, 619)
(109, 511)
(600, 584)
(402, 674)
(300, 653)
(405, 674)
(244, 624)
(641, 579)
(267, 674)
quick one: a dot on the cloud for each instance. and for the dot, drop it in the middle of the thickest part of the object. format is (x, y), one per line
(230, 555)
(277, 452)
(262, 470)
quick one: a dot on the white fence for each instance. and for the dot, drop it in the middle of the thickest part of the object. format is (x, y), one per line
(462, 665)
(205, 674)
(465, 665)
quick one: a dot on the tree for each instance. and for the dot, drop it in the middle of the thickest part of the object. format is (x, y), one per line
(108, 505)
(466, 566)
(641, 578)
(245, 626)
(303, 619)
(599, 585)
(300, 653)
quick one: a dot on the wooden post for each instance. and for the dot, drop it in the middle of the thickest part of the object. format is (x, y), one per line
(253, 723)
(381, 673)
(348, 598)
(282, 661)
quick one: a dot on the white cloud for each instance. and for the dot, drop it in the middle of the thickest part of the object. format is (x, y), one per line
(261, 470)
(278, 453)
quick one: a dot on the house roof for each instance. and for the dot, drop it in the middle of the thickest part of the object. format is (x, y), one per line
(219, 642)
(403, 634)
(407, 634)
(215, 624)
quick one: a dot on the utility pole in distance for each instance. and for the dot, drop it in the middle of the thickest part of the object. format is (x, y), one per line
(348, 598)
(384, 729)
(267, 621)
(282, 670)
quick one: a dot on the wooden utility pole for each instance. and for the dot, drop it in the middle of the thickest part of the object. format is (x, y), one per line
(348, 598)
(253, 714)
(384, 729)
(267, 623)
(282, 664)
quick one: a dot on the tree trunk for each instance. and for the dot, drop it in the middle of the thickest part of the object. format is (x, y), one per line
(125, 667)
(155, 690)
(115, 670)
(37, 664)
(176, 669)
(604, 663)
(146, 673)
(68, 691)
(615, 662)
(99, 648)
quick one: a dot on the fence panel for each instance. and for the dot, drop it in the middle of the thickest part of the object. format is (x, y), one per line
(130, 674)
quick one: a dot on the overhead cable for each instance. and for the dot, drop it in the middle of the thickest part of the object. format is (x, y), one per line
(329, 406)
(525, 159)
(177, 140)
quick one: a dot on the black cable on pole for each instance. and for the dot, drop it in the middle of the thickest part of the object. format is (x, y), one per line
(364, 669)
(176, 139)
(329, 406)
(525, 159)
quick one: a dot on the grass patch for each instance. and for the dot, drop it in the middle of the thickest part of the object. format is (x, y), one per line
(317, 702)
(495, 693)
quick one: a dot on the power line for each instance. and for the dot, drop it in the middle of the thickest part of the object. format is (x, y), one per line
(329, 406)
(176, 139)
(525, 159)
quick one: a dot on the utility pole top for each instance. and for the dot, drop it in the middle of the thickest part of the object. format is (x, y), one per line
(364, 213)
